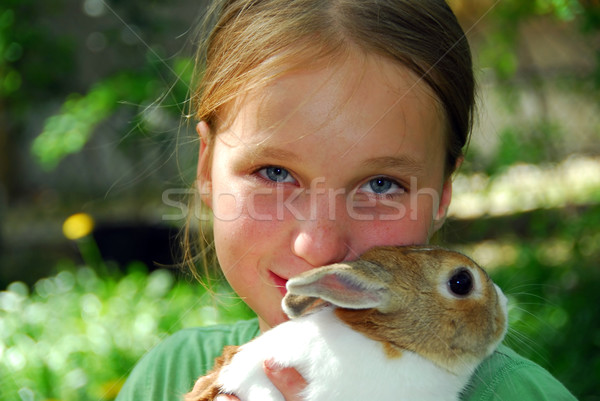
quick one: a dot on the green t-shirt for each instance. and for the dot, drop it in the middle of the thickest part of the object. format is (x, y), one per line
(171, 368)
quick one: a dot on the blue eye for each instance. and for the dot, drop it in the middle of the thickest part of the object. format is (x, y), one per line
(276, 174)
(382, 186)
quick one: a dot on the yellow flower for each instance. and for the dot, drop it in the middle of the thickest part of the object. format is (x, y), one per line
(78, 226)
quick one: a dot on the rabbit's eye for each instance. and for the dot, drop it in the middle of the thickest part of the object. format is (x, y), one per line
(461, 283)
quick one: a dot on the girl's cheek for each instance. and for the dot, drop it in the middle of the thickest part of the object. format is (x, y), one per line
(266, 204)
(242, 201)
(392, 222)
(362, 208)
(384, 233)
(226, 206)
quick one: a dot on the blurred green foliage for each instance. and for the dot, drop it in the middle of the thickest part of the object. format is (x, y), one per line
(531, 143)
(41, 64)
(69, 130)
(10, 51)
(76, 335)
(33, 63)
(500, 52)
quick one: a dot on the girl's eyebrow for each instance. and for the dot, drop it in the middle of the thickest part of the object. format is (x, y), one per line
(269, 152)
(404, 163)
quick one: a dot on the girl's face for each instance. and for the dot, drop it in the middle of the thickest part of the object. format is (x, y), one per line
(320, 166)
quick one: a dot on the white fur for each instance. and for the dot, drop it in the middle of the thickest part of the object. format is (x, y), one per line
(337, 362)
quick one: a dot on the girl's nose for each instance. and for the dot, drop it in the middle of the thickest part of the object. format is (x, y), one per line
(321, 241)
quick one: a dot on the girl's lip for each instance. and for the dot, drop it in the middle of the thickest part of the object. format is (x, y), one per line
(279, 282)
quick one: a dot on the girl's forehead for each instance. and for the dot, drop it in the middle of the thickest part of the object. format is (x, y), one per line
(349, 77)
(371, 109)
(370, 88)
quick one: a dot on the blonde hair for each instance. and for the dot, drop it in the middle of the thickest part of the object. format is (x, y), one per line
(254, 41)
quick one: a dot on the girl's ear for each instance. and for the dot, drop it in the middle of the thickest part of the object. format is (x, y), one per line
(446, 196)
(203, 174)
(440, 217)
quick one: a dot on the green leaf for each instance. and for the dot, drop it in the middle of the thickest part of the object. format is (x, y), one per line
(69, 130)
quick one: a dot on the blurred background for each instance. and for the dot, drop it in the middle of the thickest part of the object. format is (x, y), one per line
(97, 158)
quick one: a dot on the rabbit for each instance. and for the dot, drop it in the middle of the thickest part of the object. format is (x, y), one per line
(403, 323)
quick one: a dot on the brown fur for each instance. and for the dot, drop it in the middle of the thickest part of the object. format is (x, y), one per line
(419, 318)
(206, 388)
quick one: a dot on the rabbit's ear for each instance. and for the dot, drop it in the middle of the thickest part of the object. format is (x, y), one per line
(298, 305)
(345, 285)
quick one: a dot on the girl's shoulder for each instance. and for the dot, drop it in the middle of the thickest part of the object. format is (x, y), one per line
(506, 375)
(170, 369)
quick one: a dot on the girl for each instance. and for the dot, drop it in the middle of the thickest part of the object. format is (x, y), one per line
(326, 127)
